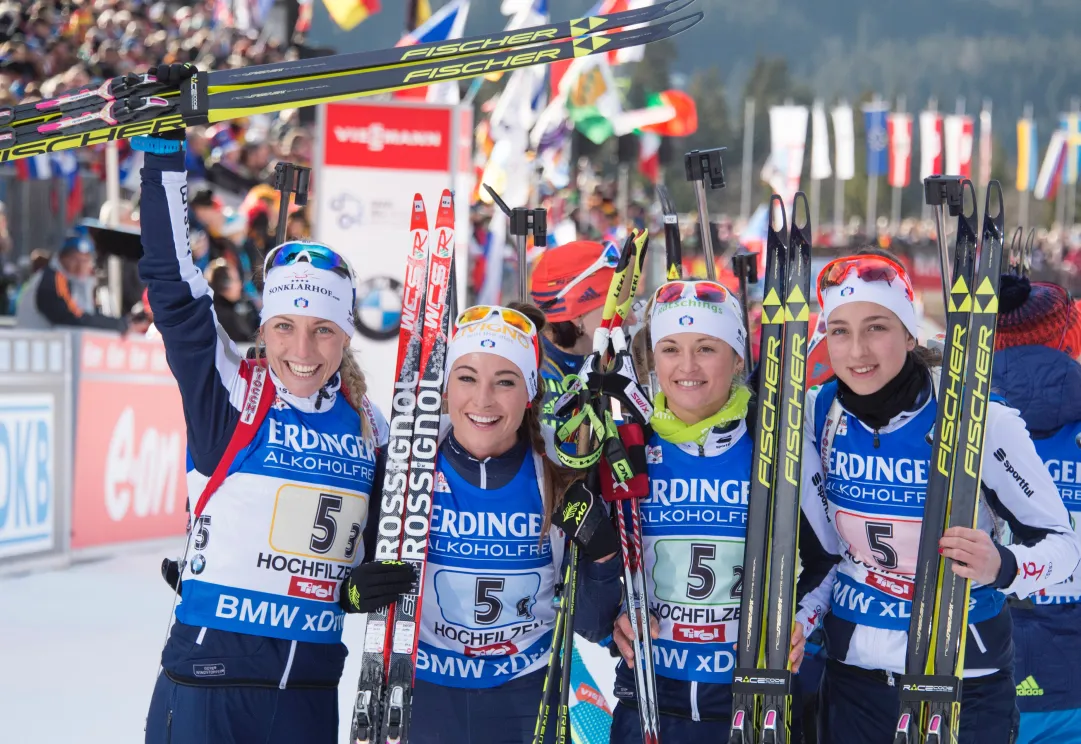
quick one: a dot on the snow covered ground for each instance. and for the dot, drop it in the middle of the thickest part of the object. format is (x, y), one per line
(79, 651)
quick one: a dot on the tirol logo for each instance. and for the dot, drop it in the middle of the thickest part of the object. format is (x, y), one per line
(379, 308)
(316, 589)
(504, 648)
(896, 587)
(686, 320)
(300, 302)
(698, 633)
(847, 291)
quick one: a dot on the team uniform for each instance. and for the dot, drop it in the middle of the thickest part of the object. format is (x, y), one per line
(256, 651)
(1045, 384)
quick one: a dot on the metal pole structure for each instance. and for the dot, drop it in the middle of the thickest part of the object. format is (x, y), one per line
(872, 191)
(1071, 189)
(623, 179)
(702, 166)
(939, 191)
(932, 105)
(748, 161)
(1023, 196)
(114, 265)
(523, 222)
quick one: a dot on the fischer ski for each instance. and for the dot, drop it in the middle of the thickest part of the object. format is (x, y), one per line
(384, 691)
(771, 553)
(139, 105)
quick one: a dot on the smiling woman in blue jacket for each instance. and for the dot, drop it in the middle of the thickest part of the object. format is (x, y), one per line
(283, 459)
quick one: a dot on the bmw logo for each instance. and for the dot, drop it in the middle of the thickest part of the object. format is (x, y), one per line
(488, 343)
(198, 563)
(300, 302)
(686, 320)
(847, 291)
(379, 308)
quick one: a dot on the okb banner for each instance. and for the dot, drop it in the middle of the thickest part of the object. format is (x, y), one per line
(27, 486)
(129, 444)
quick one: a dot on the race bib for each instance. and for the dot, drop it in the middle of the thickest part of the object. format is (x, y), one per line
(317, 523)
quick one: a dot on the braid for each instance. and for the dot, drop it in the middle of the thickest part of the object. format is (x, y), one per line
(356, 387)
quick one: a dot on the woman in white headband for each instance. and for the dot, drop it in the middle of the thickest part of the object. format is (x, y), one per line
(494, 559)
(283, 458)
(694, 523)
(874, 426)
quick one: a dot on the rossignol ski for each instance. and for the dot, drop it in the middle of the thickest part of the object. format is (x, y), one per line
(385, 689)
(770, 555)
(137, 104)
(974, 301)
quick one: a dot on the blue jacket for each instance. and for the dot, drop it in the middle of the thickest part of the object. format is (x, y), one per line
(1044, 384)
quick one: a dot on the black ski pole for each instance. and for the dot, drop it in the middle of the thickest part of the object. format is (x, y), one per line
(673, 250)
(705, 167)
(745, 266)
(523, 222)
(939, 190)
(289, 179)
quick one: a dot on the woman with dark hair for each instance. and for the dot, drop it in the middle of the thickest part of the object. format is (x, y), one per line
(236, 314)
(874, 426)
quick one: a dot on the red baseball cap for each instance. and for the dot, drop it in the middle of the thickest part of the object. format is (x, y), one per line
(587, 265)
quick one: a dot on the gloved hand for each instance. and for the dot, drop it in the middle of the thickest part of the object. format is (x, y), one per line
(172, 76)
(585, 517)
(170, 571)
(372, 586)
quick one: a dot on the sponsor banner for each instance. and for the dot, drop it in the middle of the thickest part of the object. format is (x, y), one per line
(413, 138)
(129, 481)
(27, 474)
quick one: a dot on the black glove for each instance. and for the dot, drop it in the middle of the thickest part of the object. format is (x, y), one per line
(372, 586)
(170, 571)
(174, 74)
(586, 519)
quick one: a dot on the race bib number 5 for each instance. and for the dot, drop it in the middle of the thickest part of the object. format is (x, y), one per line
(317, 523)
(883, 542)
(706, 572)
(479, 602)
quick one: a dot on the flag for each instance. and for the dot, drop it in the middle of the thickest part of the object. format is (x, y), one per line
(874, 122)
(1051, 170)
(592, 98)
(958, 140)
(899, 127)
(1071, 124)
(446, 23)
(820, 144)
(649, 156)
(349, 14)
(684, 121)
(604, 7)
(304, 16)
(1026, 155)
(930, 144)
(788, 138)
(985, 145)
(844, 141)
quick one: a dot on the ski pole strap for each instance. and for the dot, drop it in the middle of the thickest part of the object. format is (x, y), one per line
(195, 100)
(762, 681)
(569, 428)
(630, 446)
(929, 688)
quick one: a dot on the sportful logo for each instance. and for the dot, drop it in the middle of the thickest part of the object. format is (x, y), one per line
(377, 137)
(1000, 455)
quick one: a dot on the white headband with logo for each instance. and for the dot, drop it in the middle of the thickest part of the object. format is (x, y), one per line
(494, 336)
(302, 289)
(720, 320)
(892, 295)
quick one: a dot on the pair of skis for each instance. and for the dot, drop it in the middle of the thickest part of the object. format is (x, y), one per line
(383, 703)
(762, 680)
(138, 104)
(934, 665)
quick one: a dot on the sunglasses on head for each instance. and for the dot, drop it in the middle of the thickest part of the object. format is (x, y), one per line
(608, 259)
(316, 254)
(706, 291)
(867, 268)
(510, 316)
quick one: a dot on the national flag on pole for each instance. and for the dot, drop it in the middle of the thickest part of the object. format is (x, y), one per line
(820, 144)
(446, 23)
(900, 160)
(649, 156)
(844, 140)
(1026, 155)
(874, 120)
(958, 140)
(1051, 170)
(349, 14)
(985, 145)
(788, 138)
(931, 162)
(1071, 124)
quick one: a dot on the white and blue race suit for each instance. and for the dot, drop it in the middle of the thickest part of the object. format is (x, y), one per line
(694, 525)
(1045, 385)
(875, 488)
(268, 554)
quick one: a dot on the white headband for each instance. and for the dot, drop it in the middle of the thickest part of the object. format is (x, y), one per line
(302, 289)
(494, 336)
(892, 295)
(720, 320)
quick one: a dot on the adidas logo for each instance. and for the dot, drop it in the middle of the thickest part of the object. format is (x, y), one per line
(1029, 688)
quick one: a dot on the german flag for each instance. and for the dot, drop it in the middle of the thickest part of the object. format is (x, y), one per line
(349, 14)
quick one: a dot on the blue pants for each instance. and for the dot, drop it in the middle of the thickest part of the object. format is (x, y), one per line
(1047, 643)
(185, 714)
(859, 707)
(496, 715)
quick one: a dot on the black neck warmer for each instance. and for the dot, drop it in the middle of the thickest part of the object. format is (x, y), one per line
(899, 394)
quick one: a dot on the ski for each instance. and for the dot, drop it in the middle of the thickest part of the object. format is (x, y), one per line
(142, 107)
(416, 274)
(749, 645)
(673, 250)
(780, 609)
(921, 627)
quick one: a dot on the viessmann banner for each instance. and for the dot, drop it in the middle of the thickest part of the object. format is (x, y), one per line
(129, 444)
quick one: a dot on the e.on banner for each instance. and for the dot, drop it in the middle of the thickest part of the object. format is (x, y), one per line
(129, 444)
